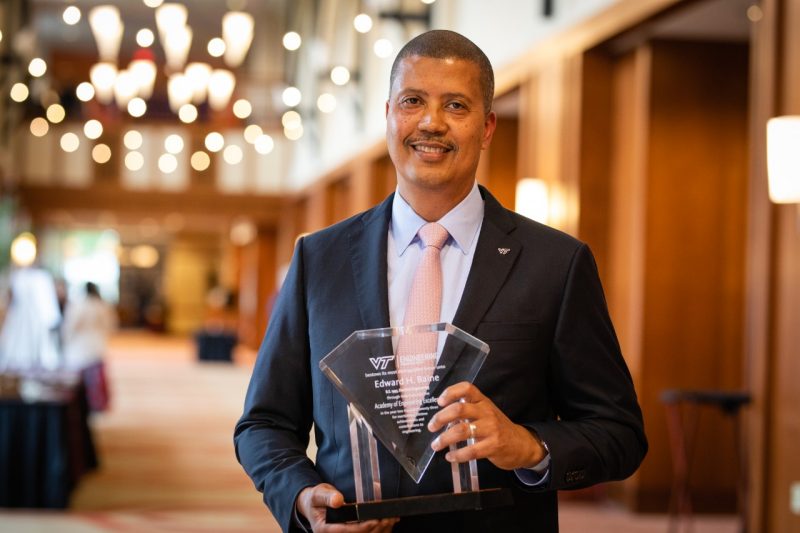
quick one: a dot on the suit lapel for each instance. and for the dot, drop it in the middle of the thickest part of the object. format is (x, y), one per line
(495, 254)
(368, 241)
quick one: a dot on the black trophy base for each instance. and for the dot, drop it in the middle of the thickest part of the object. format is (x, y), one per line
(419, 505)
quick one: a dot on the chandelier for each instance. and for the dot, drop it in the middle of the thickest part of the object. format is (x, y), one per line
(188, 85)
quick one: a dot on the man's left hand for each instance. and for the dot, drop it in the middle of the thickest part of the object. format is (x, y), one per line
(506, 444)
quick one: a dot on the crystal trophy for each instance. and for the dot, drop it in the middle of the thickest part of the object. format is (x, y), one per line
(391, 378)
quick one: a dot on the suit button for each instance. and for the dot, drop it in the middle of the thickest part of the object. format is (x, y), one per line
(574, 476)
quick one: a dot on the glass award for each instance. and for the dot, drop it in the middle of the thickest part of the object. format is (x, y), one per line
(391, 378)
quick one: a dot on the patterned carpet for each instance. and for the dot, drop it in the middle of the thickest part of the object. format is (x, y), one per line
(167, 460)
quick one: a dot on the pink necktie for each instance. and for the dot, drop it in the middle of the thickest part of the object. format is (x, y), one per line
(416, 354)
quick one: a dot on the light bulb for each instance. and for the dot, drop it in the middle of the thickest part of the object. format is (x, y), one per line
(145, 37)
(292, 96)
(362, 23)
(326, 103)
(292, 40)
(340, 75)
(71, 15)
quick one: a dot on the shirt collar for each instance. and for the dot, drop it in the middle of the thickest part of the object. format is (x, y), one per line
(462, 222)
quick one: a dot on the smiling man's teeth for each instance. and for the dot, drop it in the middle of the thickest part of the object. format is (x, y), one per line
(431, 149)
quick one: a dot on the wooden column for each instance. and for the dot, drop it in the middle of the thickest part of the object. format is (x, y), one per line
(772, 332)
(624, 276)
(499, 162)
(339, 193)
(361, 185)
(595, 151)
(383, 178)
(556, 139)
(548, 137)
(257, 285)
(317, 211)
(527, 129)
(757, 365)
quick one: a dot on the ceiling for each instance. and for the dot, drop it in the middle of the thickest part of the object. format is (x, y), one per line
(204, 19)
(325, 26)
(268, 65)
(39, 30)
(711, 20)
(72, 49)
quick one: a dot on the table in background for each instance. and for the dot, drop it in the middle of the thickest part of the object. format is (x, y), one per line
(215, 345)
(730, 403)
(45, 447)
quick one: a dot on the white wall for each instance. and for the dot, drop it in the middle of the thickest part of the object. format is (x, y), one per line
(509, 28)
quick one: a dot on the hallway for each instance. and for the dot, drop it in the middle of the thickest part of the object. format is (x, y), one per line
(167, 460)
(165, 448)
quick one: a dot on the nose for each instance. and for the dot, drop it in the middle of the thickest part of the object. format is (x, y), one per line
(432, 121)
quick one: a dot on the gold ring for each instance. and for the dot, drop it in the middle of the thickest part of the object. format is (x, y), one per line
(472, 429)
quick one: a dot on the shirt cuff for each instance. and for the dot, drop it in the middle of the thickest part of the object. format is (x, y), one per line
(300, 520)
(537, 475)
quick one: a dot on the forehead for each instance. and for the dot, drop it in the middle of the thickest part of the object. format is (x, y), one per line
(431, 73)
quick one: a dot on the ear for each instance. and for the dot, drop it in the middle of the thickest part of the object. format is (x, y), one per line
(489, 125)
(386, 113)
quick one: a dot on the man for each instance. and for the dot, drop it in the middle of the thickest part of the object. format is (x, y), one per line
(553, 406)
(28, 334)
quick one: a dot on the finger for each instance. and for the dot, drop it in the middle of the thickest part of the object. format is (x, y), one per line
(455, 412)
(326, 496)
(467, 453)
(457, 433)
(453, 393)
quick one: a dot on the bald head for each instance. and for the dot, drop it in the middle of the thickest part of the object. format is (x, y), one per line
(445, 44)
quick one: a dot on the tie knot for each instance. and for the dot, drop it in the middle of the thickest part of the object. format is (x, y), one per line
(433, 234)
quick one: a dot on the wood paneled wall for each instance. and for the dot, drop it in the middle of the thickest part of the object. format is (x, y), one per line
(663, 184)
(257, 285)
(595, 153)
(695, 250)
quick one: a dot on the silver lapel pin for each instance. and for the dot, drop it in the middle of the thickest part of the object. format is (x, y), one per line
(503, 251)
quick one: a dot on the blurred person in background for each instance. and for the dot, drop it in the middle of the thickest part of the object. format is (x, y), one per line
(87, 326)
(28, 339)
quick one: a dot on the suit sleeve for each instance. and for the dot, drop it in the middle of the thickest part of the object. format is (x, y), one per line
(599, 432)
(273, 433)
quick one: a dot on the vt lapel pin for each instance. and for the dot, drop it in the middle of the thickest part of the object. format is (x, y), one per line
(503, 251)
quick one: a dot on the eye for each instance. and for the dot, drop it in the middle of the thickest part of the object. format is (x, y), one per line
(457, 106)
(411, 100)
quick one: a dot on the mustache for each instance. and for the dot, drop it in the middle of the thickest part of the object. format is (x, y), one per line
(431, 139)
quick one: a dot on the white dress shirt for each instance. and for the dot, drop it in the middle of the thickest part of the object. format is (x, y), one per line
(404, 251)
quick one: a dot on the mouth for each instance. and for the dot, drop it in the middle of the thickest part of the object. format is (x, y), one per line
(427, 148)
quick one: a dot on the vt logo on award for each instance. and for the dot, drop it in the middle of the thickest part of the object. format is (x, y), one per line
(391, 378)
(380, 363)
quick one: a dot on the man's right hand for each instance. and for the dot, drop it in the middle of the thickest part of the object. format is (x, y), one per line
(313, 501)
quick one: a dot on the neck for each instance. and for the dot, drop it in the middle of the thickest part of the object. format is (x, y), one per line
(432, 204)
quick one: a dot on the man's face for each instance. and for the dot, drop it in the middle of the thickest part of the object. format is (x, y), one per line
(436, 125)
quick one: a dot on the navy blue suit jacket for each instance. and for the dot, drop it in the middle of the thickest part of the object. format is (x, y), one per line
(555, 366)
